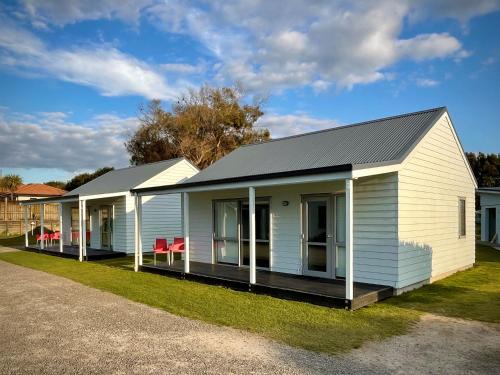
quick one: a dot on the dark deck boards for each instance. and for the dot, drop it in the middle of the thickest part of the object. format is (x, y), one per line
(316, 290)
(73, 252)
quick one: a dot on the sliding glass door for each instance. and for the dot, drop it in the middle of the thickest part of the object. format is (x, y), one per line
(75, 226)
(232, 232)
(261, 234)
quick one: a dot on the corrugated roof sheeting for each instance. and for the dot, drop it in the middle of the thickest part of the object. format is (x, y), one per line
(120, 180)
(378, 141)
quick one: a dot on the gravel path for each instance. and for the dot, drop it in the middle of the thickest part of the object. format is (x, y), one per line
(51, 325)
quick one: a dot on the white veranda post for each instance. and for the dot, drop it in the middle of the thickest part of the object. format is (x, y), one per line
(84, 228)
(349, 283)
(251, 212)
(42, 226)
(138, 232)
(26, 229)
(61, 242)
(185, 216)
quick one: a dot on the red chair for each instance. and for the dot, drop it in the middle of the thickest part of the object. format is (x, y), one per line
(46, 238)
(56, 236)
(176, 247)
(160, 247)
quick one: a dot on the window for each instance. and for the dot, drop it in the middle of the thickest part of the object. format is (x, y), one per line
(461, 217)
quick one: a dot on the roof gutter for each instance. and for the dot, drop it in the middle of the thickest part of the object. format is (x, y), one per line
(61, 199)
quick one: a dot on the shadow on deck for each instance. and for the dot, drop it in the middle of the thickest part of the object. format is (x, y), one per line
(73, 252)
(320, 291)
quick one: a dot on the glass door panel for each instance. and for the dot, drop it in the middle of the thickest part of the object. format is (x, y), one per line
(226, 232)
(75, 238)
(340, 224)
(87, 226)
(262, 213)
(106, 228)
(317, 252)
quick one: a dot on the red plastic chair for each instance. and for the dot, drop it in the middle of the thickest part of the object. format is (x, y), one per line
(56, 236)
(160, 247)
(46, 237)
(177, 246)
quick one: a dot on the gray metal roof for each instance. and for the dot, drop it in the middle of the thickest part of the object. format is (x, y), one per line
(120, 180)
(383, 141)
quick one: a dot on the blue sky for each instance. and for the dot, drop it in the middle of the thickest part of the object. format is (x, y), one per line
(73, 74)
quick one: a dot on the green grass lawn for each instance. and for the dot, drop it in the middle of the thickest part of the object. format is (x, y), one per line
(472, 294)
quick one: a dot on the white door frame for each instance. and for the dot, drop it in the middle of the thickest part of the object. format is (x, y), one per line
(330, 256)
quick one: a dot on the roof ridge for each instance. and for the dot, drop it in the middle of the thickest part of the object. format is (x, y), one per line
(142, 165)
(349, 125)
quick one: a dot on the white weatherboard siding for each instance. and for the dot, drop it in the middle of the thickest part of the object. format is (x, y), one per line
(376, 230)
(129, 242)
(162, 214)
(375, 225)
(120, 223)
(431, 181)
(161, 218)
(489, 200)
(173, 175)
(95, 229)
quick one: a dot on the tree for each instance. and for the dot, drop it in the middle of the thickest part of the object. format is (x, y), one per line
(11, 183)
(486, 168)
(83, 178)
(203, 126)
(57, 184)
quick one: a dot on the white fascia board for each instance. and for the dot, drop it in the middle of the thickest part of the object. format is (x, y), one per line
(325, 177)
(464, 157)
(42, 201)
(101, 196)
(371, 171)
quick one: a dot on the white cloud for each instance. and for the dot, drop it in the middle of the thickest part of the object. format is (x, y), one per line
(62, 12)
(183, 68)
(429, 46)
(104, 68)
(285, 125)
(267, 47)
(319, 44)
(49, 140)
(462, 10)
(426, 82)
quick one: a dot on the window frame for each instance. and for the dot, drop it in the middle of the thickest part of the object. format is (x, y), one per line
(460, 216)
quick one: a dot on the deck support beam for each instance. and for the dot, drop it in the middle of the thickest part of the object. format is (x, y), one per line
(185, 217)
(42, 225)
(349, 277)
(138, 232)
(61, 242)
(251, 221)
(26, 230)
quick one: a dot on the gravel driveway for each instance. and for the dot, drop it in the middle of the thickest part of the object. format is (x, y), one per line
(51, 325)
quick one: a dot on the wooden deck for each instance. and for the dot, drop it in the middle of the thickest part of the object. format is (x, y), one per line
(73, 252)
(326, 292)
